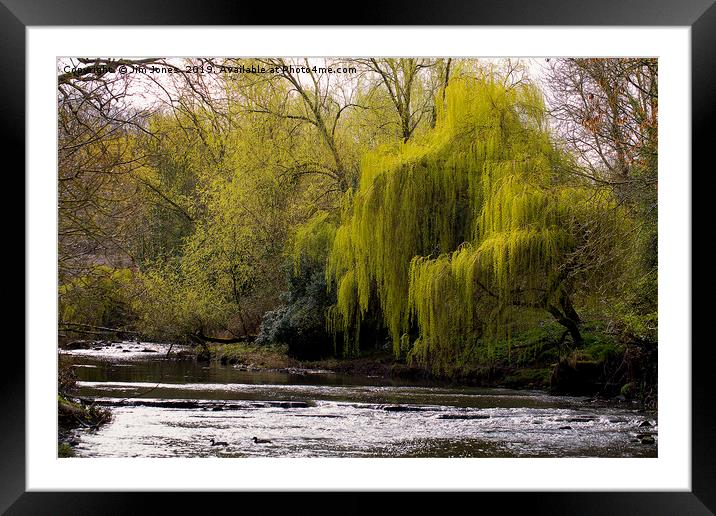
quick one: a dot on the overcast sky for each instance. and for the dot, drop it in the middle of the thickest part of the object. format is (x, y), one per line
(146, 92)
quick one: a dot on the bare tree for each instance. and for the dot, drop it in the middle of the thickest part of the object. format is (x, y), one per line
(606, 111)
(401, 78)
(94, 161)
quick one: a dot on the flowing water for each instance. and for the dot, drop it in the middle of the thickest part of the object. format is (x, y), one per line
(174, 408)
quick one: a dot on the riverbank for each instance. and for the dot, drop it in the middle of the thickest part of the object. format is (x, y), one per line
(599, 369)
(73, 412)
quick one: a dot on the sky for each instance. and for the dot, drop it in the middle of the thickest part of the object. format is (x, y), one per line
(147, 91)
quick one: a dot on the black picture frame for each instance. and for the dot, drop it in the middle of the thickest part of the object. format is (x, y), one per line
(700, 15)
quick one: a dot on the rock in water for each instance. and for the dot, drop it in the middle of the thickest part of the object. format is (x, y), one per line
(401, 408)
(463, 416)
(289, 404)
(78, 344)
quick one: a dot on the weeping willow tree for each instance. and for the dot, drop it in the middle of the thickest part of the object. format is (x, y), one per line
(453, 234)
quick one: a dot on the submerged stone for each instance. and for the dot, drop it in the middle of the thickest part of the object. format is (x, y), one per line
(289, 404)
(463, 416)
(401, 408)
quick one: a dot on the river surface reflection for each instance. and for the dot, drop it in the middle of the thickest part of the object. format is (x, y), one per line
(174, 408)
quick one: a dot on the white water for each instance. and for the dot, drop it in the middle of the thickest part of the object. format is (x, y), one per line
(165, 408)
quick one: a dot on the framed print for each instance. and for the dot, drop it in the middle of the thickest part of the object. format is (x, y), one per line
(427, 251)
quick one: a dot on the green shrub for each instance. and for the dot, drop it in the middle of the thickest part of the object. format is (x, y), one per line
(300, 322)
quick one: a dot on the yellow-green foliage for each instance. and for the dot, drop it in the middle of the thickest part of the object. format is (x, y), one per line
(455, 228)
(312, 240)
(96, 298)
(247, 195)
(172, 302)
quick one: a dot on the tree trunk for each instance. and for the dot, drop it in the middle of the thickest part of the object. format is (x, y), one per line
(568, 322)
(568, 308)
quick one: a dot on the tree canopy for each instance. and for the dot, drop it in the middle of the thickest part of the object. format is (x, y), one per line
(453, 231)
(443, 204)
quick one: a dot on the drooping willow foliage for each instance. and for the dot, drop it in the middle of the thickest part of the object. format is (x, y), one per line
(312, 240)
(447, 235)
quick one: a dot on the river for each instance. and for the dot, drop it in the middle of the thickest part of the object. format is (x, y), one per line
(174, 408)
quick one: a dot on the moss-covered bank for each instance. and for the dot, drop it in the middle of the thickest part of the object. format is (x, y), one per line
(74, 412)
